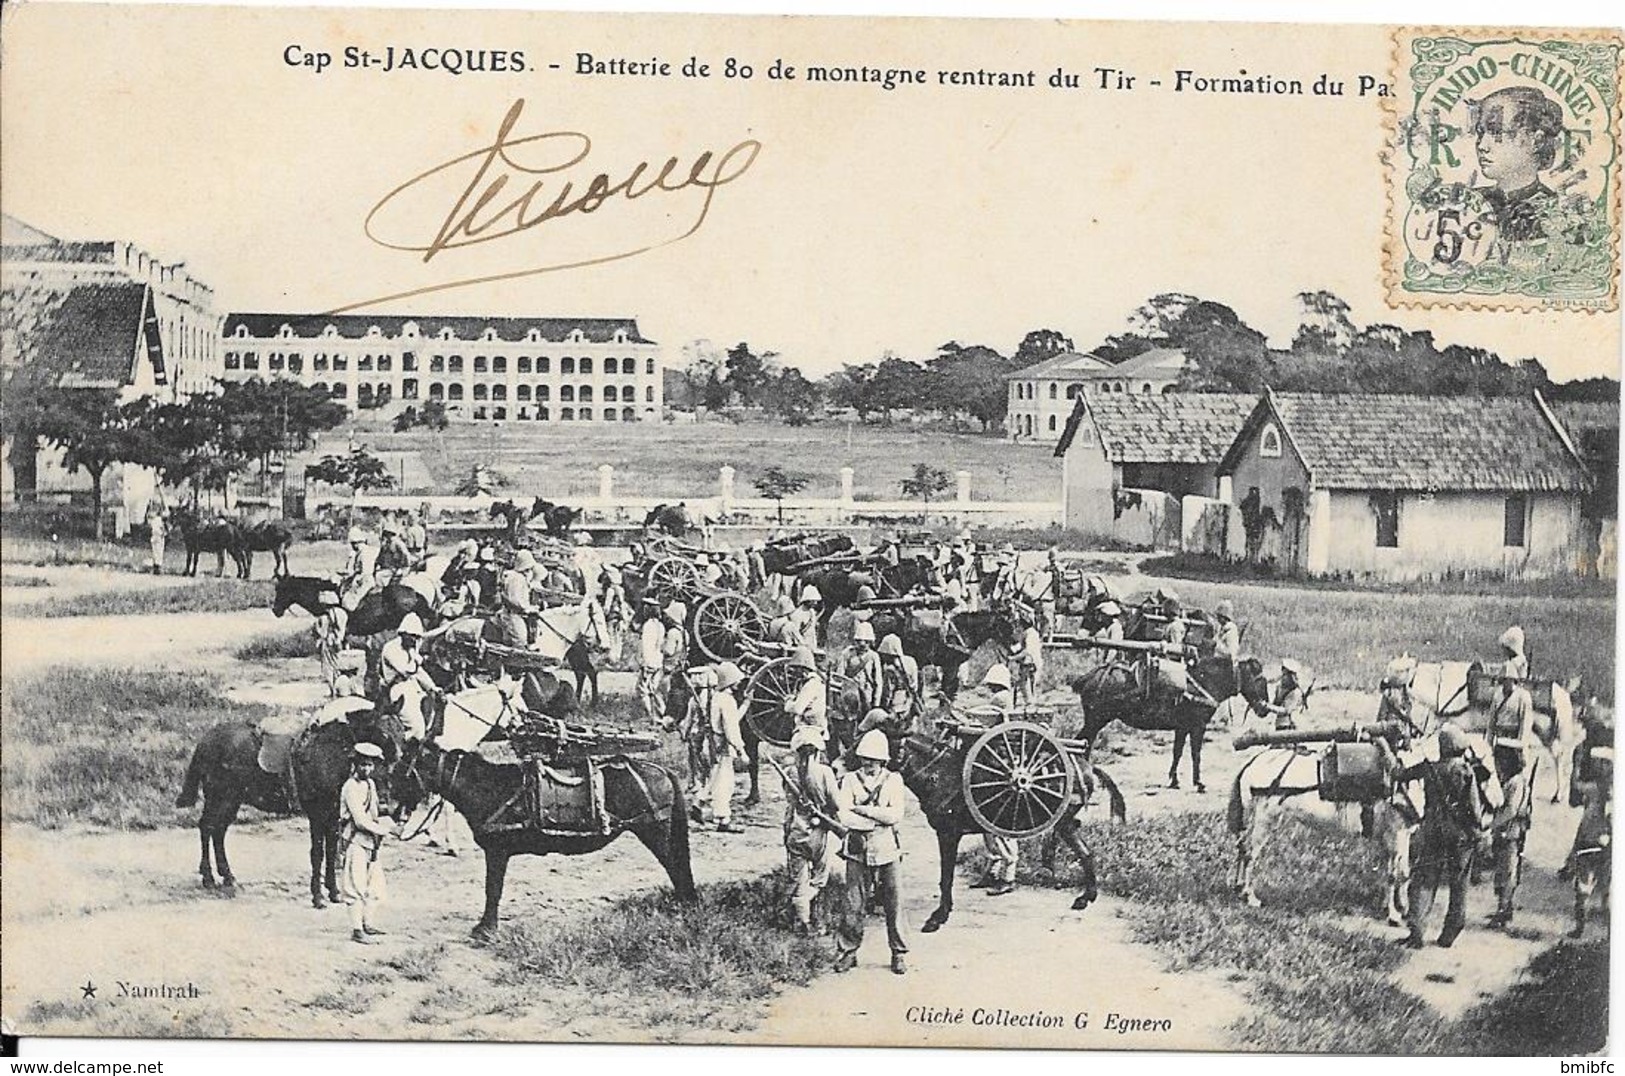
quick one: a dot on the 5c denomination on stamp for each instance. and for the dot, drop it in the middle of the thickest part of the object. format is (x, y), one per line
(1503, 170)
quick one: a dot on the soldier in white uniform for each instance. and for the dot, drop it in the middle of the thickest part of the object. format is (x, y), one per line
(1002, 852)
(810, 704)
(727, 744)
(357, 577)
(651, 663)
(404, 679)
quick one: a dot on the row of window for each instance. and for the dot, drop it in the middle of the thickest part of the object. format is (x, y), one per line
(1026, 390)
(566, 414)
(567, 393)
(438, 364)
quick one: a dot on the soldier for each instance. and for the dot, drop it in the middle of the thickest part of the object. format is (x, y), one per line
(1290, 700)
(361, 878)
(157, 532)
(900, 681)
(1512, 645)
(1442, 848)
(862, 671)
(810, 704)
(1002, 852)
(403, 677)
(1512, 736)
(1025, 656)
(812, 829)
(1590, 860)
(674, 646)
(1511, 727)
(488, 575)
(1109, 617)
(651, 663)
(727, 743)
(1168, 605)
(866, 593)
(778, 624)
(394, 560)
(357, 577)
(802, 624)
(417, 537)
(1228, 641)
(1005, 587)
(872, 805)
(514, 603)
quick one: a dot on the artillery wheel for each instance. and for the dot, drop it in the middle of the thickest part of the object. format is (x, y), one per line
(673, 579)
(769, 688)
(726, 624)
(1018, 779)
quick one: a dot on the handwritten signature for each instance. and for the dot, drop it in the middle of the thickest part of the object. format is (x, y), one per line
(506, 196)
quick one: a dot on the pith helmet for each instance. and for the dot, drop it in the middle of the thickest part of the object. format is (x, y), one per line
(411, 624)
(1109, 608)
(1512, 639)
(677, 612)
(468, 547)
(866, 593)
(525, 560)
(874, 746)
(1226, 609)
(1288, 665)
(728, 675)
(997, 676)
(803, 659)
(368, 751)
(864, 632)
(810, 596)
(874, 719)
(891, 647)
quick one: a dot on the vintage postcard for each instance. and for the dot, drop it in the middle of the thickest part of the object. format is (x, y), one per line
(1070, 535)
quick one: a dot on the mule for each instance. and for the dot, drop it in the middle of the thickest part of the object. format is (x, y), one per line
(673, 519)
(781, 556)
(220, 537)
(268, 536)
(932, 765)
(1115, 691)
(638, 797)
(948, 647)
(225, 768)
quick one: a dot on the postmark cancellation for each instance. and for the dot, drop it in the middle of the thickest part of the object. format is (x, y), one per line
(1504, 169)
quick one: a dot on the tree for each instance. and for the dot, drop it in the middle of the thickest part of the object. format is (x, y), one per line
(748, 374)
(970, 381)
(360, 471)
(186, 442)
(898, 383)
(29, 376)
(431, 416)
(91, 428)
(776, 484)
(926, 482)
(481, 481)
(853, 386)
(792, 397)
(1041, 344)
(1324, 324)
(406, 419)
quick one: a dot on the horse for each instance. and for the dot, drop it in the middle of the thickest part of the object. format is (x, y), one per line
(219, 537)
(948, 647)
(225, 767)
(557, 519)
(1441, 689)
(638, 797)
(514, 518)
(780, 557)
(267, 536)
(932, 762)
(1276, 779)
(673, 519)
(1115, 691)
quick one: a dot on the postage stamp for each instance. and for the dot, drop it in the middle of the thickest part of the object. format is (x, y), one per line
(1504, 170)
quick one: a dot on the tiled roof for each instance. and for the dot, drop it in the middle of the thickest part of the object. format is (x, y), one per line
(1423, 443)
(14, 231)
(468, 329)
(90, 336)
(1066, 365)
(1161, 360)
(1191, 427)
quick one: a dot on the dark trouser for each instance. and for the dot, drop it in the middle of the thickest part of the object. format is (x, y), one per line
(1439, 858)
(1508, 853)
(855, 889)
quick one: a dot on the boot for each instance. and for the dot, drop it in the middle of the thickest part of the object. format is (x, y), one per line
(360, 937)
(899, 966)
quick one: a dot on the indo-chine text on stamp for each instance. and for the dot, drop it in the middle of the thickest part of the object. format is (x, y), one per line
(1504, 170)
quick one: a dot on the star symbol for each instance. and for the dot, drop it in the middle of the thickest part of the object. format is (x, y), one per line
(89, 990)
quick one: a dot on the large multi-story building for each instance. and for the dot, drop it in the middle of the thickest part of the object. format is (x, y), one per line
(501, 369)
(1042, 395)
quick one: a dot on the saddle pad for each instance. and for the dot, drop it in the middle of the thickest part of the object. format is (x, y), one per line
(275, 750)
(564, 799)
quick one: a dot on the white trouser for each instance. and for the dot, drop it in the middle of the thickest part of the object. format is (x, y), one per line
(1002, 854)
(722, 786)
(361, 884)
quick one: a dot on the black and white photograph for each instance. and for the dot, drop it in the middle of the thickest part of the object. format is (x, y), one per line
(702, 529)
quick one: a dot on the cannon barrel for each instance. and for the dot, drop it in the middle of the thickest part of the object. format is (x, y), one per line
(1135, 646)
(915, 602)
(1386, 730)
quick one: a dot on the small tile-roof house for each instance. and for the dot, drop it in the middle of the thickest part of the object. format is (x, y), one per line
(1404, 487)
(1168, 443)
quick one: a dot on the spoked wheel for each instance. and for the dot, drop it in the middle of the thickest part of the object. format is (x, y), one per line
(673, 579)
(1018, 780)
(769, 688)
(727, 625)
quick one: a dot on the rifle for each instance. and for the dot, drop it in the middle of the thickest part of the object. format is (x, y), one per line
(793, 789)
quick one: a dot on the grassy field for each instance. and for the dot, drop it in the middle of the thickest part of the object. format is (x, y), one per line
(278, 646)
(105, 747)
(1319, 986)
(654, 460)
(201, 596)
(25, 549)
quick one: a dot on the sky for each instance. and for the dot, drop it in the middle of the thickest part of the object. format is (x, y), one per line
(867, 221)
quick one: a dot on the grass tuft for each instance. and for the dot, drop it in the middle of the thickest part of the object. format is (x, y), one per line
(419, 964)
(127, 1020)
(654, 962)
(278, 646)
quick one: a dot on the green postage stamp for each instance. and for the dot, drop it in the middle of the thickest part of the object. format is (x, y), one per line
(1504, 170)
